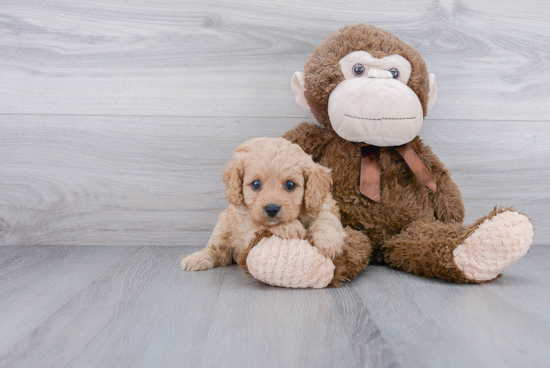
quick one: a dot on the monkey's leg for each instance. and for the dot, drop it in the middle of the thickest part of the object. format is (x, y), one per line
(463, 254)
(355, 257)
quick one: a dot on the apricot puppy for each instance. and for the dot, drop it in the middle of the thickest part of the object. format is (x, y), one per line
(272, 185)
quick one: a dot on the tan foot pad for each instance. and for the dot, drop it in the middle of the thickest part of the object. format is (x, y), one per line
(292, 263)
(494, 246)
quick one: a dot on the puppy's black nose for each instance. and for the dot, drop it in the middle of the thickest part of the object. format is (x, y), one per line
(272, 209)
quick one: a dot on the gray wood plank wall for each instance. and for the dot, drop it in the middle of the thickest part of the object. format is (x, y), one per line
(117, 117)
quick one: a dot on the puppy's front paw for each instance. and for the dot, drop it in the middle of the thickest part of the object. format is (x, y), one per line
(196, 262)
(330, 243)
(298, 231)
(291, 230)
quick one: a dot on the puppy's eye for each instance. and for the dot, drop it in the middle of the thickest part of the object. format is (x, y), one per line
(358, 70)
(290, 185)
(394, 73)
(256, 185)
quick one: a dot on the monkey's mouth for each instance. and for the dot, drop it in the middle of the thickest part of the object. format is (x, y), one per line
(378, 119)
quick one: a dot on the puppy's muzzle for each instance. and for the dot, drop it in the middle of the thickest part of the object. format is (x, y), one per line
(272, 209)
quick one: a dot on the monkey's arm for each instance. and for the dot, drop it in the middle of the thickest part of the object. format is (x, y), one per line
(311, 137)
(446, 199)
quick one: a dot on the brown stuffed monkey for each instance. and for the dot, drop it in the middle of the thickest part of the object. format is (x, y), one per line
(370, 92)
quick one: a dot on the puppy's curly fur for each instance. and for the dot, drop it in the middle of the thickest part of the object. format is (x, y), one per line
(305, 209)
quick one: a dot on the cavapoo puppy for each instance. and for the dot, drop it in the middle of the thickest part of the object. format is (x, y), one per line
(272, 185)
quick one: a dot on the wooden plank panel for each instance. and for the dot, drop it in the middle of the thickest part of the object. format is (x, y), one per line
(35, 282)
(157, 181)
(523, 286)
(432, 323)
(132, 307)
(226, 58)
(292, 328)
(145, 312)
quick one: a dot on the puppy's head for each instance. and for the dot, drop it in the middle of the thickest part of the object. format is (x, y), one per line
(275, 180)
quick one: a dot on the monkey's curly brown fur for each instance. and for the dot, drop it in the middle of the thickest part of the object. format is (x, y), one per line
(354, 258)
(412, 228)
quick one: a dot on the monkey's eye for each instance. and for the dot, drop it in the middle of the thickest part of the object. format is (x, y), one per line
(358, 70)
(395, 73)
(256, 185)
(290, 185)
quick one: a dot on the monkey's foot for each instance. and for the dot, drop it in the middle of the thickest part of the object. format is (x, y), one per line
(495, 245)
(291, 263)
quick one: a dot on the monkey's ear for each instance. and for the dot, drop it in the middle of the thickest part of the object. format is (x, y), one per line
(233, 179)
(432, 95)
(298, 86)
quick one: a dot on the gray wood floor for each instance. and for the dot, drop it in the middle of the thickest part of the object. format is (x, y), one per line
(124, 306)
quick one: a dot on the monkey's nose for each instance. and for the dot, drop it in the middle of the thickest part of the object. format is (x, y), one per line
(272, 209)
(379, 73)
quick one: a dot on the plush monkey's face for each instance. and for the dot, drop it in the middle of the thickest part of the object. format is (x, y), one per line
(372, 102)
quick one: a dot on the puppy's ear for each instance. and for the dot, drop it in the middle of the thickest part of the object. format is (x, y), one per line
(318, 182)
(233, 179)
